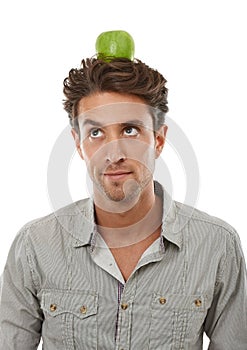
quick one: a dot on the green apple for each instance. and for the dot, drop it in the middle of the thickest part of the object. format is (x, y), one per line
(115, 44)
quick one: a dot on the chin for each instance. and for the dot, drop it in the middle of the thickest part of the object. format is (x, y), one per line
(124, 197)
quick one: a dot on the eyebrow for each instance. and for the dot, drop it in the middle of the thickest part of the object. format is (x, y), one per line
(129, 122)
(91, 122)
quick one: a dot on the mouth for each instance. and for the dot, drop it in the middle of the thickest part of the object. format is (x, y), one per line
(117, 175)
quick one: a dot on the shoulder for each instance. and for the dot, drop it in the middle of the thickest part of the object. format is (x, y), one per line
(207, 234)
(57, 220)
(204, 224)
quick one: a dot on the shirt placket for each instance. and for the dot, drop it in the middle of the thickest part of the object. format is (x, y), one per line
(124, 322)
(120, 291)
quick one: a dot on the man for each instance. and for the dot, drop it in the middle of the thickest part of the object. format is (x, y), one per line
(128, 268)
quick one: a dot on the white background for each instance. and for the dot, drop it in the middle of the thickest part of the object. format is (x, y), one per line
(199, 46)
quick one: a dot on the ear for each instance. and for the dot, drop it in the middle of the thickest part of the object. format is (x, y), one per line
(77, 142)
(160, 137)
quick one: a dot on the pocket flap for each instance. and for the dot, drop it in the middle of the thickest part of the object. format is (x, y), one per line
(80, 303)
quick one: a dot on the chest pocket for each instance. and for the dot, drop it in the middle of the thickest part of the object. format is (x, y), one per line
(70, 319)
(176, 320)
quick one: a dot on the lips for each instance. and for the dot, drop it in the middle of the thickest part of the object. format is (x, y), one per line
(117, 175)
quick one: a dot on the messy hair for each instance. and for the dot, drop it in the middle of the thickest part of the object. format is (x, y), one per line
(117, 75)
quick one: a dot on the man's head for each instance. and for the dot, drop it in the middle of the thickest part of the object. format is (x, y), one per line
(119, 75)
(117, 112)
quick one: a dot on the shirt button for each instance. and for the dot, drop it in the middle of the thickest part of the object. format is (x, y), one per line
(124, 306)
(162, 300)
(198, 302)
(53, 307)
(83, 309)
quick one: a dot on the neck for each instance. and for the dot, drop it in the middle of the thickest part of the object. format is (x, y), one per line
(121, 214)
(133, 225)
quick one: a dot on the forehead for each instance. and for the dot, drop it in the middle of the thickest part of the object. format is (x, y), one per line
(112, 108)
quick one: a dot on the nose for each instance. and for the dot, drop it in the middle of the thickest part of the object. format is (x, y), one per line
(115, 151)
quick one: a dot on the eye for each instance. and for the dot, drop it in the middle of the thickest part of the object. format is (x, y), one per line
(131, 131)
(95, 133)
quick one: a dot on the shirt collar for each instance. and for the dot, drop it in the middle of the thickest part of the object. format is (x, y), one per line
(78, 220)
(170, 229)
(83, 228)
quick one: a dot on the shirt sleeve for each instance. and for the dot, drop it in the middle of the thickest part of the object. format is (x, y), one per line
(226, 321)
(20, 314)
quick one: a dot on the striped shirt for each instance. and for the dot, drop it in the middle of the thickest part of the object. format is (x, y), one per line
(62, 283)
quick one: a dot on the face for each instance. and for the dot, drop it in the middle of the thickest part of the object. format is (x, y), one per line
(118, 144)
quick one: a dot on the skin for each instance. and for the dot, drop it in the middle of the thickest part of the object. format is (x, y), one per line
(119, 147)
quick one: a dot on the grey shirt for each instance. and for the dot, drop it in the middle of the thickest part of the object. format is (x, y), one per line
(61, 285)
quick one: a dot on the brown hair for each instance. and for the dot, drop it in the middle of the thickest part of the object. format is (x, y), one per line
(118, 75)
